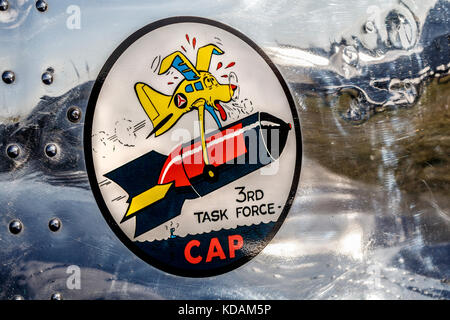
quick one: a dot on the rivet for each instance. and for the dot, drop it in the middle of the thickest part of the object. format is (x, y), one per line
(74, 114)
(15, 226)
(369, 27)
(4, 5)
(8, 77)
(51, 150)
(47, 77)
(13, 151)
(17, 297)
(41, 5)
(56, 296)
(350, 54)
(54, 224)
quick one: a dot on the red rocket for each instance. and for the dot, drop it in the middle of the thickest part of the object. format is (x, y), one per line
(158, 185)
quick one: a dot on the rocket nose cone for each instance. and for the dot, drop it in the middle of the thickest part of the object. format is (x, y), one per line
(275, 133)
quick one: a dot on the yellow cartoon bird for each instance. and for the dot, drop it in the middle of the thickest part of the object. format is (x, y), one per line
(199, 90)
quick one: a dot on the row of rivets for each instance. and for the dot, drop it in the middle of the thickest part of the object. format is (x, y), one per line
(9, 76)
(41, 5)
(74, 115)
(16, 226)
(13, 150)
(55, 296)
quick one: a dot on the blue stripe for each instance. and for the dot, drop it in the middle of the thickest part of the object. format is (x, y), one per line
(184, 69)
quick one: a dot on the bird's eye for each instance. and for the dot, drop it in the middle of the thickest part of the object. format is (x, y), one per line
(208, 82)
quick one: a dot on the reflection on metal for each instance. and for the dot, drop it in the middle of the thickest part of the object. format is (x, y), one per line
(407, 56)
(371, 219)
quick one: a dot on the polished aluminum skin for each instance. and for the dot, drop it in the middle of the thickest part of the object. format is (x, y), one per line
(371, 218)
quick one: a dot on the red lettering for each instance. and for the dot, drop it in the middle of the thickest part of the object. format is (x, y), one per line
(235, 242)
(187, 252)
(215, 250)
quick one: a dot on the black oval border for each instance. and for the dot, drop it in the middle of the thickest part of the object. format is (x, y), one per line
(87, 139)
